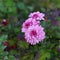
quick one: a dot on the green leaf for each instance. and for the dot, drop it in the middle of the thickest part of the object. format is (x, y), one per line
(57, 3)
(28, 57)
(13, 52)
(16, 30)
(2, 8)
(2, 47)
(58, 34)
(3, 53)
(12, 41)
(23, 44)
(11, 6)
(3, 38)
(21, 5)
(6, 58)
(43, 23)
(44, 55)
(11, 57)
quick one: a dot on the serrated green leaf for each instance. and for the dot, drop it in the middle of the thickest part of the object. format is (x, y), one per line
(28, 57)
(23, 44)
(44, 54)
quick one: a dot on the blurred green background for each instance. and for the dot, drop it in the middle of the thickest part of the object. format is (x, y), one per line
(12, 43)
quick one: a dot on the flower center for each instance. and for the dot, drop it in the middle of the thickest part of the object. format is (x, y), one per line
(35, 16)
(33, 33)
(28, 24)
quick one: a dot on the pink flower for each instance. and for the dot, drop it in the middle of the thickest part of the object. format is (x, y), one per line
(35, 34)
(37, 15)
(29, 22)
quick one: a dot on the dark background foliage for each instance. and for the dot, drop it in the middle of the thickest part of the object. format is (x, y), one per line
(12, 43)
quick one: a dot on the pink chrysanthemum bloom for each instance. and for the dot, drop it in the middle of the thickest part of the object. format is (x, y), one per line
(29, 22)
(35, 34)
(37, 15)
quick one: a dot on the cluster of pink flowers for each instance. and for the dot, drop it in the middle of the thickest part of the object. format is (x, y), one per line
(34, 32)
